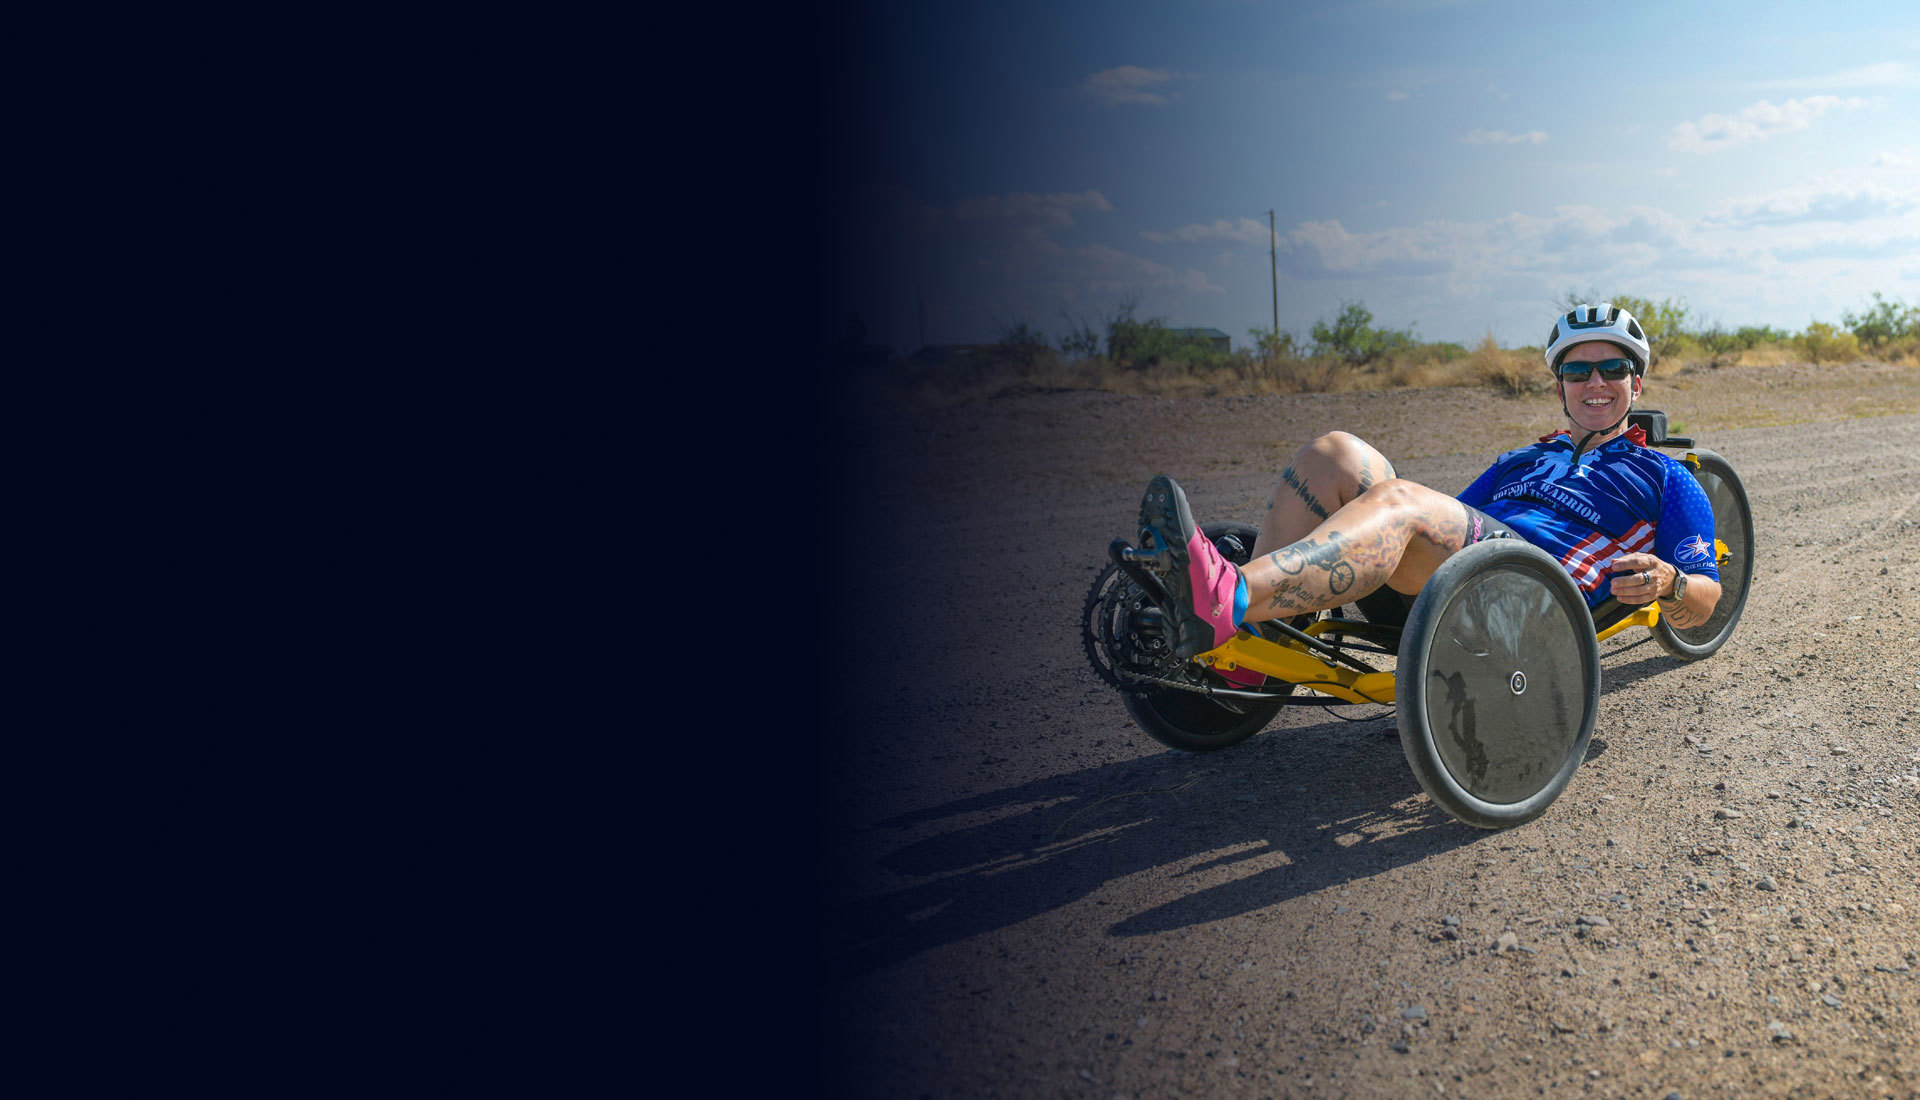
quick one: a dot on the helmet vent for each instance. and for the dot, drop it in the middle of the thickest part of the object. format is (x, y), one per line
(1633, 329)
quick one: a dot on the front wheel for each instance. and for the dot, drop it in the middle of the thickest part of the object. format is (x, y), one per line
(1732, 527)
(1498, 685)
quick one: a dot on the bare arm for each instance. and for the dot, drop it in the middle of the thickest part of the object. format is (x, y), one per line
(1629, 587)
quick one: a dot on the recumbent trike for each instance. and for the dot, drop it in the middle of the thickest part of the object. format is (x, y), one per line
(1498, 680)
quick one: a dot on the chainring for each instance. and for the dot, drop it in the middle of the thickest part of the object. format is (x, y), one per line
(1127, 648)
(1124, 646)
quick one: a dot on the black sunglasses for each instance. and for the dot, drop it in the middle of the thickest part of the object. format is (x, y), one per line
(1613, 370)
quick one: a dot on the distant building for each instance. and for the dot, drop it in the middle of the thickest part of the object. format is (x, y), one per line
(1215, 339)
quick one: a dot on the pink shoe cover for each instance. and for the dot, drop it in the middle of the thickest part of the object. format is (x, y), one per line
(1203, 582)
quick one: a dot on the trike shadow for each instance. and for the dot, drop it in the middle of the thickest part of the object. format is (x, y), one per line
(1316, 805)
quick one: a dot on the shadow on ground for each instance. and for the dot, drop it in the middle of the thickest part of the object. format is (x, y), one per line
(1337, 799)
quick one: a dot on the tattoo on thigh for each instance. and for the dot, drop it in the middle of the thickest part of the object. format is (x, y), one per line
(1300, 490)
(1451, 538)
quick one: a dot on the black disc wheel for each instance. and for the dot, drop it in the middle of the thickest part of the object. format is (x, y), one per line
(1732, 525)
(1498, 683)
(1123, 640)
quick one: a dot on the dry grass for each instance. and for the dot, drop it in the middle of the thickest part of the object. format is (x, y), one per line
(1899, 351)
(1767, 355)
(1515, 371)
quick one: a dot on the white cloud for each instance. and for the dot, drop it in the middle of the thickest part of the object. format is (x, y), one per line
(1847, 248)
(1757, 123)
(1501, 137)
(1126, 84)
(1896, 158)
(1397, 95)
(1328, 250)
(1886, 74)
(1575, 237)
(1815, 202)
(1100, 269)
(1244, 230)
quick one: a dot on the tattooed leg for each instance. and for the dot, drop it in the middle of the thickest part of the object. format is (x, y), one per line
(1324, 476)
(1397, 534)
(1300, 490)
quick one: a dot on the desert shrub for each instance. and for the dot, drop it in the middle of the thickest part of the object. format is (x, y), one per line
(1352, 338)
(1664, 323)
(1715, 340)
(1883, 323)
(1752, 336)
(1021, 345)
(1271, 346)
(1082, 340)
(1825, 343)
(1146, 344)
(1900, 349)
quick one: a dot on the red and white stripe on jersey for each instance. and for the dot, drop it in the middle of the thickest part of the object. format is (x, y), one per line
(1587, 562)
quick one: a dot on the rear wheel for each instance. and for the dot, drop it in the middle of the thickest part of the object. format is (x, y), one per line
(1498, 684)
(1733, 526)
(1120, 639)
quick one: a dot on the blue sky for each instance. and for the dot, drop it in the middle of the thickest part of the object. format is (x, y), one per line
(1456, 166)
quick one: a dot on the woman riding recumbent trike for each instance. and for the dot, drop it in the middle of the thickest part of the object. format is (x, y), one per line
(1497, 685)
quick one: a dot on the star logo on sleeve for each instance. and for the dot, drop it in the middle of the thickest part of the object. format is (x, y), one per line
(1695, 550)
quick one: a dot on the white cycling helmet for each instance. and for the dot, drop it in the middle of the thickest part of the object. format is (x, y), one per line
(1605, 321)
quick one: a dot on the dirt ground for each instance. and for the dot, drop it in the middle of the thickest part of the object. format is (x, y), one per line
(1030, 898)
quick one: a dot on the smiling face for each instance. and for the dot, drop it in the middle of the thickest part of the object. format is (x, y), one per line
(1595, 404)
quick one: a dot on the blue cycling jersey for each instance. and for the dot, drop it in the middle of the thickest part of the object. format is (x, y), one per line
(1621, 497)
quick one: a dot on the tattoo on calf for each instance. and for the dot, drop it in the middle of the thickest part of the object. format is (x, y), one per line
(1293, 560)
(1289, 596)
(1290, 559)
(1340, 577)
(1300, 490)
(1366, 474)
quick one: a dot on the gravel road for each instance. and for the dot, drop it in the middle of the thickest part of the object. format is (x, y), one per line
(1030, 898)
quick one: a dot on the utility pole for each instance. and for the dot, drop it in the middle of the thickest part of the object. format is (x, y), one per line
(1273, 264)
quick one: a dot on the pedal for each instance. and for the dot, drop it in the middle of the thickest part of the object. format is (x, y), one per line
(1160, 561)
